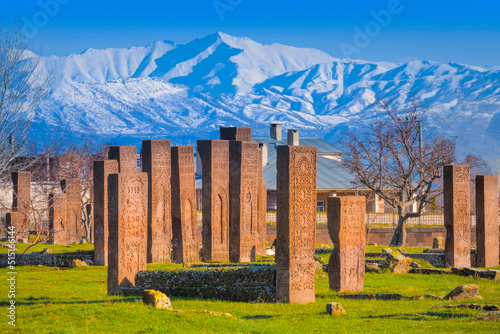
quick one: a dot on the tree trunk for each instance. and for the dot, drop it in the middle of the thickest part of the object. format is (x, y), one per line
(399, 236)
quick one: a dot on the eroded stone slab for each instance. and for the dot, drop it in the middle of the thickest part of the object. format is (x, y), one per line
(18, 221)
(241, 133)
(184, 222)
(73, 190)
(487, 231)
(102, 170)
(21, 200)
(214, 156)
(243, 206)
(156, 162)
(346, 225)
(457, 215)
(296, 223)
(126, 155)
(128, 219)
(57, 219)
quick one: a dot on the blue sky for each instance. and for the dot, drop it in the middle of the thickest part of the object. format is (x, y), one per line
(445, 31)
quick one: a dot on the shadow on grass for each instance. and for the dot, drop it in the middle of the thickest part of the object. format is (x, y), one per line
(420, 316)
(45, 300)
(258, 316)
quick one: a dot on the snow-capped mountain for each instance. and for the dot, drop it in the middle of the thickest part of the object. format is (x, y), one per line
(185, 92)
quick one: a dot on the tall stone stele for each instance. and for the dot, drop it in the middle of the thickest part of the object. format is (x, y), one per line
(102, 170)
(58, 234)
(346, 225)
(487, 231)
(126, 155)
(184, 215)
(457, 215)
(156, 162)
(214, 156)
(21, 203)
(243, 200)
(127, 223)
(72, 188)
(296, 223)
(241, 133)
(262, 209)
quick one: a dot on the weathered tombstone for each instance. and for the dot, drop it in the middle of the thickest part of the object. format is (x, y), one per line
(438, 243)
(243, 204)
(240, 133)
(73, 190)
(296, 223)
(156, 162)
(18, 221)
(457, 215)
(346, 226)
(22, 192)
(214, 156)
(184, 222)
(126, 156)
(102, 169)
(57, 220)
(127, 223)
(487, 231)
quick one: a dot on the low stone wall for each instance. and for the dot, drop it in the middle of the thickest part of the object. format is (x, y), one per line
(243, 283)
(47, 260)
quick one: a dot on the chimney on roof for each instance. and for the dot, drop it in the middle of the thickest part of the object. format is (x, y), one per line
(263, 147)
(293, 137)
(276, 131)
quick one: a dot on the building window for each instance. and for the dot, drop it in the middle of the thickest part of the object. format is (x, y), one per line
(320, 206)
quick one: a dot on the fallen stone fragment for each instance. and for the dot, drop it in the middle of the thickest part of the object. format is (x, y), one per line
(372, 244)
(387, 250)
(46, 251)
(398, 263)
(389, 296)
(434, 251)
(414, 265)
(372, 268)
(156, 299)
(488, 316)
(430, 271)
(466, 291)
(334, 309)
(83, 241)
(477, 273)
(270, 252)
(438, 243)
(77, 263)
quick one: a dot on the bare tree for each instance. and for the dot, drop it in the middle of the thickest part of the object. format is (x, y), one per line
(392, 160)
(24, 84)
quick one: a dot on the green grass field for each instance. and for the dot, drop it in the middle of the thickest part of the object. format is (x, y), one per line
(61, 300)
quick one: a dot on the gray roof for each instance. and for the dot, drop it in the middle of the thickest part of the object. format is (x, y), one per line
(322, 145)
(330, 173)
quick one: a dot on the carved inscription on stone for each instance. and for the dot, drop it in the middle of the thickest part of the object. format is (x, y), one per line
(126, 155)
(487, 231)
(57, 220)
(127, 223)
(184, 222)
(296, 223)
(243, 211)
(156, 162)
(457, 215)
(214, 156)
(346, 226)
(102, 169)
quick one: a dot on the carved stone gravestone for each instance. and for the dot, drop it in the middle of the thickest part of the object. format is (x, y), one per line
(487, 231)
(184, 222)
(126, 155)
(19, 222)
(156, 162)
(214, 156)
(346, 226)
(21, 201)
(102, 170)
(241, 133)
(296, 223)
(243, 204)
(127, 223)
(73, 190)
(57, 220)
(457, 215)
(261, 210)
